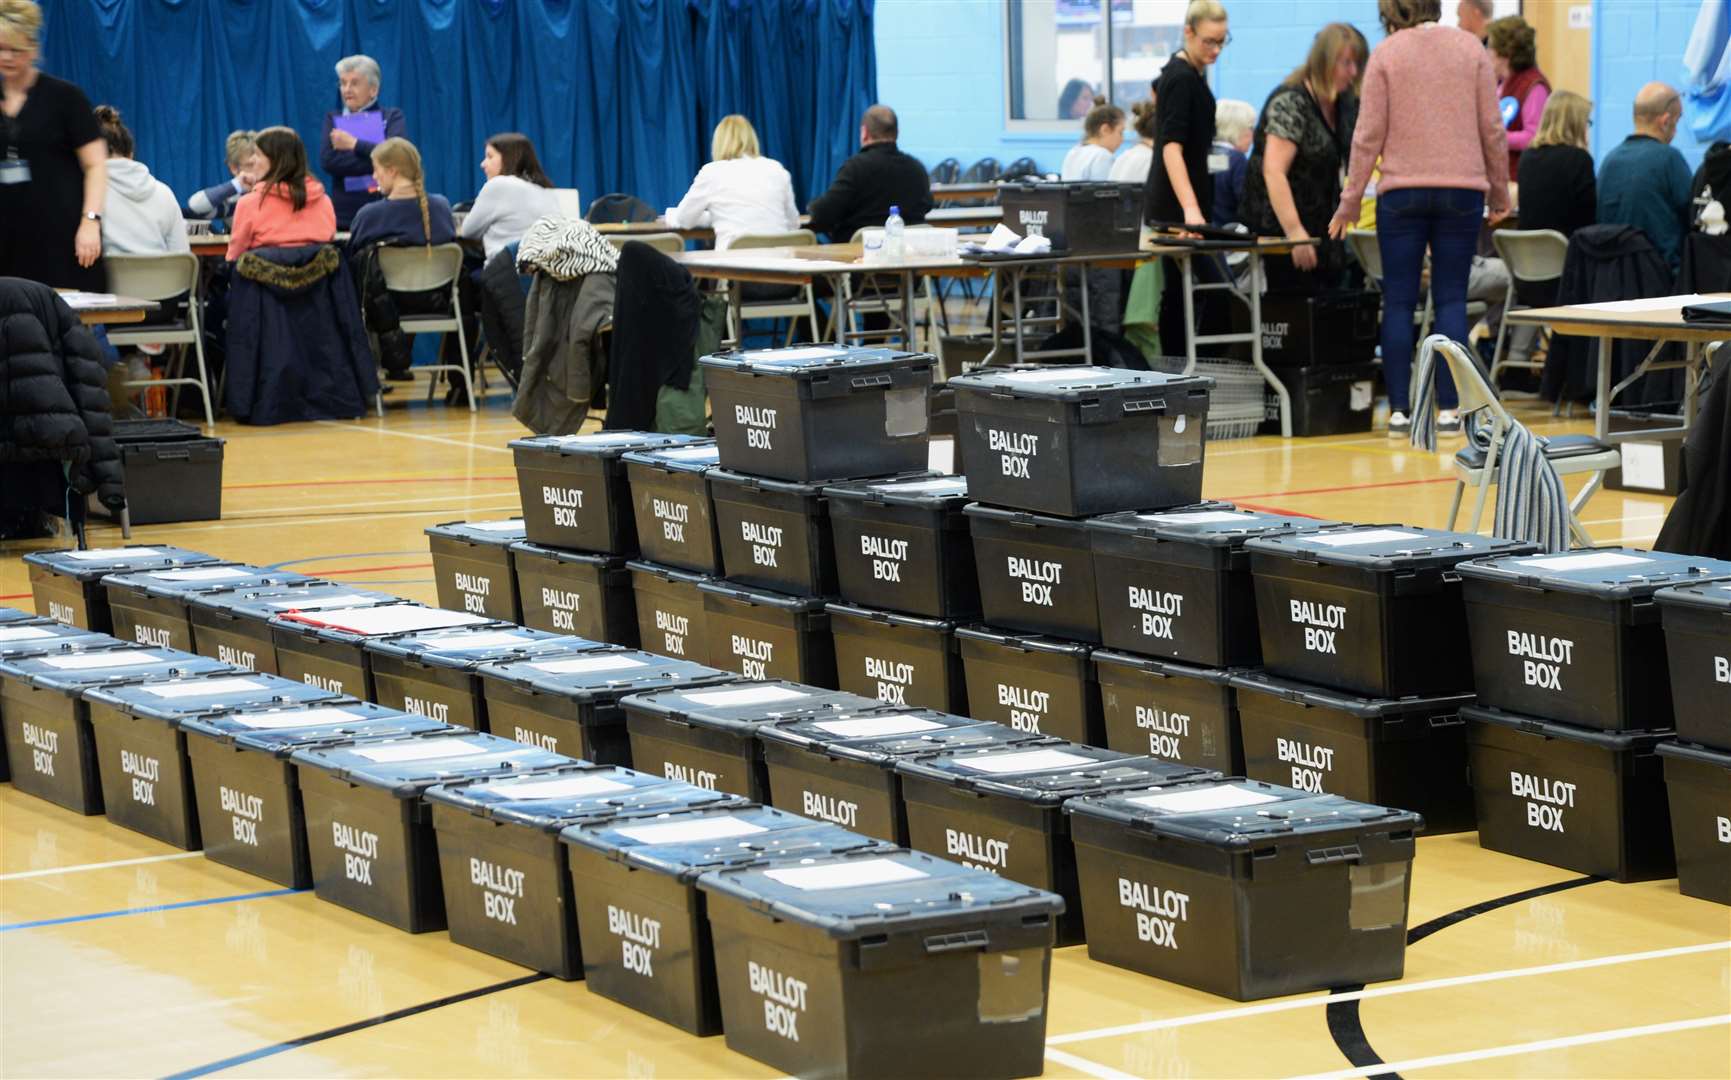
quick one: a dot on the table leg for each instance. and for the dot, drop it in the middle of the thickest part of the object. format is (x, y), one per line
(995, 317)
(838, 303)
(1691, 380)
(1087, 323)
(1256, 360)
(1602, 395)
(908, 343)
(1189, 315)
(1016, 312)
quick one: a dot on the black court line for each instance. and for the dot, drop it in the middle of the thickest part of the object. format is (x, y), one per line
(358, 1025)
(1344, 1025)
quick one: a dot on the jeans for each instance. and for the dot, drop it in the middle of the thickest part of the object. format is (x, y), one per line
(1409, 220)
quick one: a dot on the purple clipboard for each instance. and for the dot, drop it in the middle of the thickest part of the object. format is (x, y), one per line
(367, 127)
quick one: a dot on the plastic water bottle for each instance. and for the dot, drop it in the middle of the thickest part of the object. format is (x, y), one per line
(894, 244)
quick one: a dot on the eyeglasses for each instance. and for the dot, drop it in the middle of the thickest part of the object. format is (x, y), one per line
(1216, 42)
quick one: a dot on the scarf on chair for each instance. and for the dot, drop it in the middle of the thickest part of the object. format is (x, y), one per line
(566, 248)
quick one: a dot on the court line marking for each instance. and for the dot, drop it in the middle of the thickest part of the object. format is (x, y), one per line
(358, 1025)
(1538, 1046)
(65, 919)
(1082, 1064)
(385, 480)
(19, 875)
(333, 558)
(1339, 489)
(444, 497)
(321, 519)
(415, 435)
(1385, 991)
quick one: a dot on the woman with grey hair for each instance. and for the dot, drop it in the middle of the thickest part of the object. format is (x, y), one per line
(351, 132)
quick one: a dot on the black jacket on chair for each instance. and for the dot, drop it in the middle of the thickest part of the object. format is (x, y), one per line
(504, 295)
(54, 393)
(1608, 262)
(654, 327)
(1700, 520)
(296, 347)
(866, 186)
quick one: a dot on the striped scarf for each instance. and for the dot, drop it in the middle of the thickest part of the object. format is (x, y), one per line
(566, 248)
(1531, 502)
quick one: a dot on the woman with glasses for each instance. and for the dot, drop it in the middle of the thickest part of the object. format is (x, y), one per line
(1429, 112)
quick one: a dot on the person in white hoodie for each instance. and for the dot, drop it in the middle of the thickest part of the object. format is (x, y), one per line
(141, 216)
(739, 192)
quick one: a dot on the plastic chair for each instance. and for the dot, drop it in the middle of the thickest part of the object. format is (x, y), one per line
(165, 277)
(618, 207)
(983, 171)
(1533, 256)
(665, 242)
(420, 269)
(1476, 466)
(789, 309)
(1021, 168)
(946, 171)
(1368, 252)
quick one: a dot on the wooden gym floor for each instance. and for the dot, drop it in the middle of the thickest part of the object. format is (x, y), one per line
(122, 957)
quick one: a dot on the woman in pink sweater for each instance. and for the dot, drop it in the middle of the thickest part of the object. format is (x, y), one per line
(286, 207)
(1429, 112)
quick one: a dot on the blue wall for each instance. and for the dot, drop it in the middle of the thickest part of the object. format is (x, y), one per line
(941, 66)
(1634, 43)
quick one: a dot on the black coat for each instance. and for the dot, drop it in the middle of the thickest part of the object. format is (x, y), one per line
(866, 186)
(504, 294)
(296, 346)
(1609, 262)
(54, 392)
(655, 319)
(1700, 520)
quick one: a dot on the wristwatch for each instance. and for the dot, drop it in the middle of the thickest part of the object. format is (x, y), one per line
(93, 217)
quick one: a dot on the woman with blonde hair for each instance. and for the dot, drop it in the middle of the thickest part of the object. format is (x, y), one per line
(1297, 156)
(218, 200)
(740, 192)
(405, 215)
(1558, 190)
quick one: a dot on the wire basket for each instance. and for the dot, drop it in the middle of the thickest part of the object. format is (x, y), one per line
(1233, 422)
(1235, 384)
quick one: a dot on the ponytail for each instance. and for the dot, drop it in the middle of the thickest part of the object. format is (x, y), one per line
(426, 215)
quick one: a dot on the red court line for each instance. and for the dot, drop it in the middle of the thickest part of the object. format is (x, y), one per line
(1334, 490)
(393, 480)
(16, 596)
(374, 569)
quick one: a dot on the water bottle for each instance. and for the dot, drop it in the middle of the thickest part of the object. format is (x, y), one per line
(894, 245)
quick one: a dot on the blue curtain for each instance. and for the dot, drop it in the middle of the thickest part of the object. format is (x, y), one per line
(618, 95)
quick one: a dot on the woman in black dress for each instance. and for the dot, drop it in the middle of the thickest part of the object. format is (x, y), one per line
(53, 166)
(1298, 156)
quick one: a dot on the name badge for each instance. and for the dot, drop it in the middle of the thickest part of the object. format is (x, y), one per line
(14, 171)
(1218, 163)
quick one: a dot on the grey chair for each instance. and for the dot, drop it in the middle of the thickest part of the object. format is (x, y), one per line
(1533, 256)
(667, 243)
(802, 299)
(422, 269)
(159, 278)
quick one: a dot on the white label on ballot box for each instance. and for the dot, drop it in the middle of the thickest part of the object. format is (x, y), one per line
(1027, 761)
(421, 750)
(92, 660)
(1643, 465)
(751, 695)
(24, 633)
(321, 603)
(1354, 539)
(323, 716)
(957, 484)
(782, 356)
(105, 554)
(205, 573)
(398, 619)
(846, 875)
(691, 832)
(1056, 375)
(687, 453)
(515, 524)
(1196, 517)
(565, 787)
(202, 687)
(1203, 800)
(581, 664)
(867, 727)
(492, 639)
(1599, 560)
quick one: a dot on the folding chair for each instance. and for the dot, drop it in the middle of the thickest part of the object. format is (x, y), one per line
(665, 242)
(1533, 256)
(889, 302)
(570, 205)
(1476, 466)
(946, 171)
(165, 277)
(789, 309)
(420, 269)
(1368, 252)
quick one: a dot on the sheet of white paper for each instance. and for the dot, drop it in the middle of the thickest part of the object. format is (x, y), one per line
(205, 573)
(872, 727)
(948, 483)
(750, 695)
(603, 438)
(565, 787)
(1643, 465)
(1354, 539)
(323, 603)
(1592, 560)
(106, 554)
(1650, 303)
(398, 619)
(810, 352)
(420, 750)
(491, 639)
(688, 453)
(580, 664)
(92, 660)
(24, 633)
(514, 525)
(1197, 517)
(1202, 800)
(322, 716)
(852, 874)
(76, 299)
(691, 832)
(203, 687)
(1027, 761)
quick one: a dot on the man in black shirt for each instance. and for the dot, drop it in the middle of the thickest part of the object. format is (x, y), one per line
(869, 183)
(1179, 187)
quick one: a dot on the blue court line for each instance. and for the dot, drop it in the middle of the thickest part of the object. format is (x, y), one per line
(146, 910)
(332, 558)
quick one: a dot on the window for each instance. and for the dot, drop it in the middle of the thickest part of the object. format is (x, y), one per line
(1062, 54)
